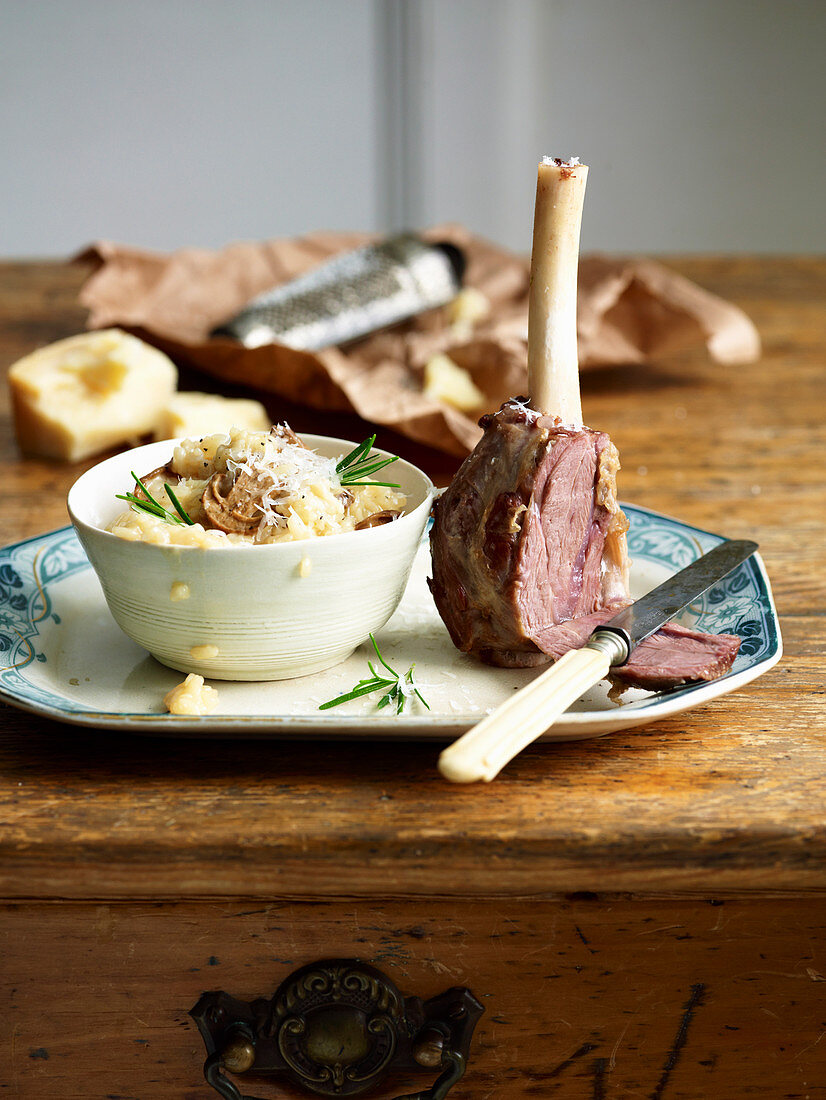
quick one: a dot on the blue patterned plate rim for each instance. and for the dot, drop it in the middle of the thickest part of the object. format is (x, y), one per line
(30, 569)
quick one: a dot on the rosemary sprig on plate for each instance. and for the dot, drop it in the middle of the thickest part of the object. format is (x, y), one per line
(359, 464)
(154, 507)
(397, 689)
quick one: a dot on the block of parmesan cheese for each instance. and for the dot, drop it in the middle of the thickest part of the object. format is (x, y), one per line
(89, 393)
(194, 415)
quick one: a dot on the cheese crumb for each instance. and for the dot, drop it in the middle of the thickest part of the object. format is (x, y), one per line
(305, 567)
(203, 652)
(466, 310)
(450, 384)
(193, 697)
(179, 591)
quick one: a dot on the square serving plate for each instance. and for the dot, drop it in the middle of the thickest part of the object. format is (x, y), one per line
(62, 656)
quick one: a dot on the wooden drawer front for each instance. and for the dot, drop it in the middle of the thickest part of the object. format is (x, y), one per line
(585, 998)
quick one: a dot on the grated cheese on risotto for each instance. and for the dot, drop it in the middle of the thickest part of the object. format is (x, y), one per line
(251, 488)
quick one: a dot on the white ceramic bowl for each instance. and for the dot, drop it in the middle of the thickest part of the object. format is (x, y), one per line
(266, 620)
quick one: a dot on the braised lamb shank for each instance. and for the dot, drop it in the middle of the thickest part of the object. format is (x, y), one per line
(528, 543)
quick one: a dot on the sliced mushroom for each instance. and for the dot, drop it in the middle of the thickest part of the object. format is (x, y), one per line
(166, 472)
(387, 515)
(230, 504)
(285, 432)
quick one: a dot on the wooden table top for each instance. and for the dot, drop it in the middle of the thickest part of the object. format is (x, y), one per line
(728, 797)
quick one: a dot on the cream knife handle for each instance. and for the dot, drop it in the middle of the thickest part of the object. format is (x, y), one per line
(485, 749)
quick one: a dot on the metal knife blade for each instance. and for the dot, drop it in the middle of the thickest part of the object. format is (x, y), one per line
(643, 617)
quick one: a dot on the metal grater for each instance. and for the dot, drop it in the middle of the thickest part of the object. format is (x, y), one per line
(352, 295)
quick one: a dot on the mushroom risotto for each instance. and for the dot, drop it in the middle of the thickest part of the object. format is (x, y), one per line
(251, 488)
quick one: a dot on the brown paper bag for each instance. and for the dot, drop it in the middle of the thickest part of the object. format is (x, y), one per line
(629, 311)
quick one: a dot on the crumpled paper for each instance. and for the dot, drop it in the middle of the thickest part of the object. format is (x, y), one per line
(629, 311)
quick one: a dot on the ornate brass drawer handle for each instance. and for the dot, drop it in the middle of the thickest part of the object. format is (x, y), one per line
(337, 1028)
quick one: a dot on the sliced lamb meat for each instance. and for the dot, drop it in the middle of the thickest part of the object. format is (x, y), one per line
(574, 633)
(528, 541)
(676, 655)
(527, 535)
(529, 558)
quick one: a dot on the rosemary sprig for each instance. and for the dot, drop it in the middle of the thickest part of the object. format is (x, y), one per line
(397, 689)
(354, 467)
(154, 507)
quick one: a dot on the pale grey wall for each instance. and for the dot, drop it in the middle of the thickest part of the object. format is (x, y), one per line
(171, 122)
(708, 121)
(704, 121)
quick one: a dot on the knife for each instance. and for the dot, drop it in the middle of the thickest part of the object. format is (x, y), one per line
(484, 750)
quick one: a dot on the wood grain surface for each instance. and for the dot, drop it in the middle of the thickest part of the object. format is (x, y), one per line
(585, 999)
(730, 796)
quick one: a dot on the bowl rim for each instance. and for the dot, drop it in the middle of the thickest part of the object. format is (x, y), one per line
(382, 531)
